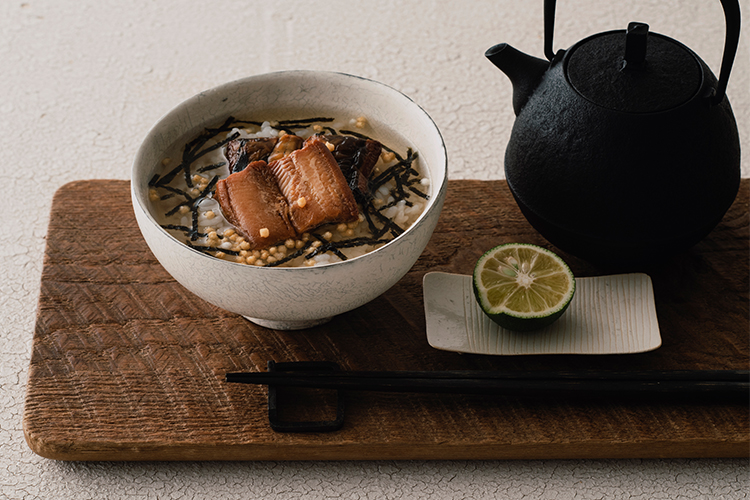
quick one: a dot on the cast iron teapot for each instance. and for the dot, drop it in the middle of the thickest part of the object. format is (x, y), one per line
(624, 149)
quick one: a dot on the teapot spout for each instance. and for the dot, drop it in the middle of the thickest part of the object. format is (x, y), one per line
(525, 71)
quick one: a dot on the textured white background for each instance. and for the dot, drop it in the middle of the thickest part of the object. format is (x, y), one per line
(82, 81)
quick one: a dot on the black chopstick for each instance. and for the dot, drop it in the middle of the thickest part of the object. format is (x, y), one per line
(696, 382)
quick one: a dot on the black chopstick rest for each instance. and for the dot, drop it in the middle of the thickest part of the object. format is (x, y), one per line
(279, 425)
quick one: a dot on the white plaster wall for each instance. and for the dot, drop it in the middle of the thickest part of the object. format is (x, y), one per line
(81, 81)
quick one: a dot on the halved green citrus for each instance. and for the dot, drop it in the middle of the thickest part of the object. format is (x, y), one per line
(523, 287)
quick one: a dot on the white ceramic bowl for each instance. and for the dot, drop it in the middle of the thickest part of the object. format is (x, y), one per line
(293, 298)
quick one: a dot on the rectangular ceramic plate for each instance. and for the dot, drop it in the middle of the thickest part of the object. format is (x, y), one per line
(608, 315)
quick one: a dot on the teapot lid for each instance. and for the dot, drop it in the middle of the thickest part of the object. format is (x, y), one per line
(633, 71)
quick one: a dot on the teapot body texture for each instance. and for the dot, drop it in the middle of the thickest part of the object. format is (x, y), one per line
(622, 187)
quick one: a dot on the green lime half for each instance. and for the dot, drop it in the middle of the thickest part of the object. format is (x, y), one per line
(523, 287)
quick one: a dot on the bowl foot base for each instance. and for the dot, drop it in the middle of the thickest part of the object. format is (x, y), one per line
(288, 324)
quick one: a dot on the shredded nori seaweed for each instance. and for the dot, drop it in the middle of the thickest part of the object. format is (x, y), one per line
(208, 168)
(382, 228)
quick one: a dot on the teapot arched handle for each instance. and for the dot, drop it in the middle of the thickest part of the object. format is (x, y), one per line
(731, 41)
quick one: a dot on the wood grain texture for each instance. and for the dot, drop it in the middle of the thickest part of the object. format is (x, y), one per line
(128, 365)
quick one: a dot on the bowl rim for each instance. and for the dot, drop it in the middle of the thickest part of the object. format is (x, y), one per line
(431, 202)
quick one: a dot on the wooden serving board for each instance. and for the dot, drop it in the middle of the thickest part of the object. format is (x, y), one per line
(128, 365)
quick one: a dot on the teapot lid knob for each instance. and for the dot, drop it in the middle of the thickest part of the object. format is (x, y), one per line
(636, 41)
